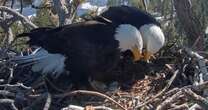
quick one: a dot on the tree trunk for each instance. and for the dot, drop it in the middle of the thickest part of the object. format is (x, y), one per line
(190, 24)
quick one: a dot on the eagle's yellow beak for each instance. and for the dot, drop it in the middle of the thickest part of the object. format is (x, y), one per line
(147, 56)
(136, 53)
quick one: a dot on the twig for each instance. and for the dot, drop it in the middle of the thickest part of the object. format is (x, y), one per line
(10, 35)
(21, 6)
(169, 101)
(7, 93)
(10, 78)
(12, 4)
(16, 14)
(195, 107)
(201, 62)
(75, 107)
(7, 21)
(161, 92)
(102, 108)
(186, 91)
(78, 92)
(171, 92)
(144, 2)
(9, 101)
(180, 107)
(15, 85)
(197, 98)
(48, 102)
(42, 96)
(199, 87)
(196, 41)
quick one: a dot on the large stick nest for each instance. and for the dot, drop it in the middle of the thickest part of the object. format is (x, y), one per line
(168, 84)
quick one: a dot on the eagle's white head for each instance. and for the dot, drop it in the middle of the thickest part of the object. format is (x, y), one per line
(153, 39)
(130, 38)
(143, 42)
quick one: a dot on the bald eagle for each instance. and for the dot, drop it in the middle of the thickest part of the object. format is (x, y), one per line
(149, 28)
(94, 47)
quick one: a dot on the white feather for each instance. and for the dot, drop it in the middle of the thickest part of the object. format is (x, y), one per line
(43, 62)
(128, 36)
(153, 37)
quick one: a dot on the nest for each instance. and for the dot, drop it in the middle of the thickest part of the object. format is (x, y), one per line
(168, 82)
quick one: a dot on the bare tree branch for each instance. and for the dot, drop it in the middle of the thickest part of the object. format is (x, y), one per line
(20, 17)
(90, 93)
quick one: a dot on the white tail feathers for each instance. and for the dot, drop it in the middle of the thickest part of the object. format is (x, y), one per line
(43, 62)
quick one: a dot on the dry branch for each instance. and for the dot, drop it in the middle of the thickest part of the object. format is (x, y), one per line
(83, 92)
(7, 93)
(161, 92)
(180, 107)
(9, 16)
(173, 95)
(48, 102)
(201, 62)
(196, 98)
(10, 102)
(169, 101)
(195, 107)
(75, 107)
(18, 85)
(199, 87)
(19, 16)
